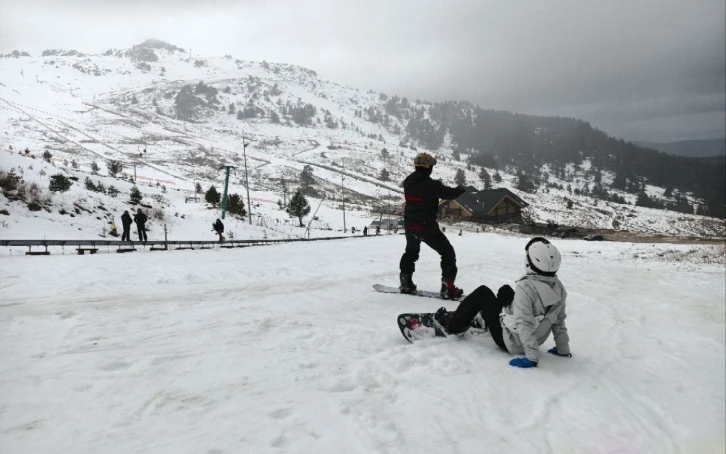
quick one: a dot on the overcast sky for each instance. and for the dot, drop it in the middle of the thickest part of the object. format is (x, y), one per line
(638, 69)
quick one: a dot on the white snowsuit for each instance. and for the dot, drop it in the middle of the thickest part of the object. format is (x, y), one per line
(538, 309)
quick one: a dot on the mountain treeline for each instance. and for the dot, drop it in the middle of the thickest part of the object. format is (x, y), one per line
(497, 138)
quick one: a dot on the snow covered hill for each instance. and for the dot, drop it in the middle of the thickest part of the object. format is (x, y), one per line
(257, 351)
(190, 115)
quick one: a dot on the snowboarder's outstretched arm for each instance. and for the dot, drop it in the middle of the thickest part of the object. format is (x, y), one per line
(448, 193)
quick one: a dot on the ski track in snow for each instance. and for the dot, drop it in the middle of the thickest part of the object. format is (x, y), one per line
(288, 349)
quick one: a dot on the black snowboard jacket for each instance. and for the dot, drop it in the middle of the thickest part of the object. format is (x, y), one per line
(126, 220)
(422, 195)
(140, 219)
(218, 226)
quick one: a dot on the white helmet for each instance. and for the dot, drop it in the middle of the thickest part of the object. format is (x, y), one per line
(542, 257)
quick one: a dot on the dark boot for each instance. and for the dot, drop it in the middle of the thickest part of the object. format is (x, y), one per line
(407, 285)
(443, 318)
(449, 291)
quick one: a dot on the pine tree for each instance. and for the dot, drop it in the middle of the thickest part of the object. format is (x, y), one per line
(456, 155)
(212, 196)
(307, 181)
(47, 156)
(524, 183)
(236, 206)
(231, 108)
(114, 168)
(94, 168)
(497, 177)
(384, 175)
(298, 206)
(135, 196)
(112, 191)
(74, 164)
(460, 177)
(59, 183)
(198, 188)
(643, 200)
(89, 185)
(485, 178)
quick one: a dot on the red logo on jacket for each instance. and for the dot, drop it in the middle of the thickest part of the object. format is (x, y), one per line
(414, 199)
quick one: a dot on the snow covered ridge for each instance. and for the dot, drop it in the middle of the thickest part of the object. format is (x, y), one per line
(189, 113)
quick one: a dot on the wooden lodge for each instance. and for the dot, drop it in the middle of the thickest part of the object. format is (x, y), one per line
(489, 205)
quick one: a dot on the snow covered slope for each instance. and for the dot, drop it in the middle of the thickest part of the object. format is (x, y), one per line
(262, 350)
(190, 115)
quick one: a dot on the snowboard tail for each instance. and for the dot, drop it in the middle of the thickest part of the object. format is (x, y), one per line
(415, 327)
(423, 293)
(419, 326)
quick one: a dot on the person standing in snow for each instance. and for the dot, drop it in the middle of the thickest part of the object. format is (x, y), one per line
(520, 320)
(422, 195)
(140, 219)
(126, 222)
(365, 230)
(219, 228)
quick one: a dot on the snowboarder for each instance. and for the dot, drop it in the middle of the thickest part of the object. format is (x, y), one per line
(219, 228)
(126, 224)
(140, 219)
(520, 320)
(422, 195)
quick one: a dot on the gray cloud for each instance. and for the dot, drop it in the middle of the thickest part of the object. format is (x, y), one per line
(644, 70)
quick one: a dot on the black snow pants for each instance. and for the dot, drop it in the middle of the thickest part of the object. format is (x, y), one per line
(125, 236)
(142, 232)
(480, 300)
(437, 241)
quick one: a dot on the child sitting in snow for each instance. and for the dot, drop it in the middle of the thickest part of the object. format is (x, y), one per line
(522, 320)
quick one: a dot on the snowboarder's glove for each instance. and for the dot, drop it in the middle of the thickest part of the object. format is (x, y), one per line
(554, 351)
(524, 363)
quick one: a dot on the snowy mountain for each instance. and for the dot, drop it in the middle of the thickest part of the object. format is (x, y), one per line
(176, 118)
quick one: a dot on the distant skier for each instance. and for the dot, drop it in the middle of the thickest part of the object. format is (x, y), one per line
(126, 222)
(219, 228)
(422, 195)
(140, 219)
(522, 320)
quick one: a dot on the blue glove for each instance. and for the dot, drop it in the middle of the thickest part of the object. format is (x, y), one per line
(554, 351)
(524, 363)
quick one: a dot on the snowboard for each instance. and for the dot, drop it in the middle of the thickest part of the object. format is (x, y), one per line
(415, 327)
(424, 293)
